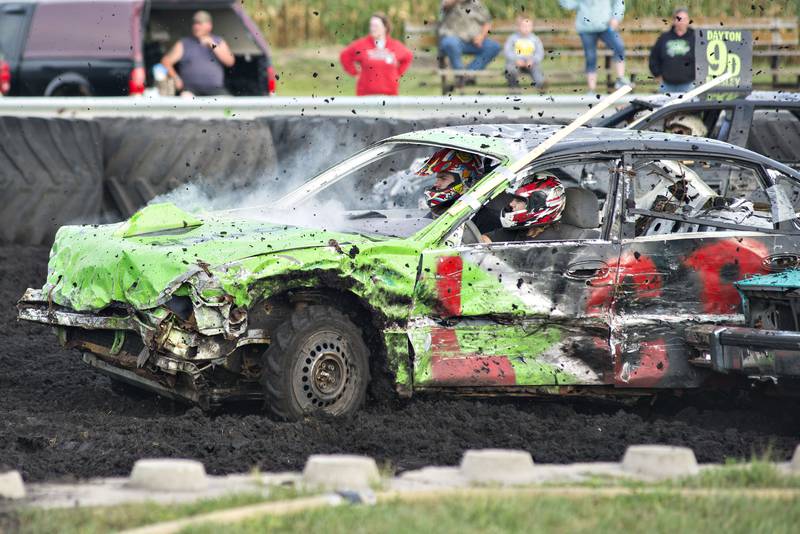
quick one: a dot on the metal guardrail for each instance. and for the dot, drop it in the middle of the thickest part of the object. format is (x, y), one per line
(400, 107)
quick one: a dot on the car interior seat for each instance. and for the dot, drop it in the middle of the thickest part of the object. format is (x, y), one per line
(580, 218)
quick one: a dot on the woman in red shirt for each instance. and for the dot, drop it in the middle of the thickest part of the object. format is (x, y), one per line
(378, 60)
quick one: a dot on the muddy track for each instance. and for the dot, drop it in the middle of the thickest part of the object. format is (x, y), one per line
(59, 419)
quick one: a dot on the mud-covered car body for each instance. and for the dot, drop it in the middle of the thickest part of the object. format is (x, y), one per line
(186, 304)
(767, 122)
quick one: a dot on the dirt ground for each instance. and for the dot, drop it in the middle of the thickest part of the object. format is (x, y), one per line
(60, 420)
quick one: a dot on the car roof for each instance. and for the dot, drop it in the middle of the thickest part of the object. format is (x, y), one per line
(757, 97)
(513, 140)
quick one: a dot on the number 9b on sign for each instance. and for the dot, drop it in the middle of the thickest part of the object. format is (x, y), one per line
(725, 51)
(721, 60)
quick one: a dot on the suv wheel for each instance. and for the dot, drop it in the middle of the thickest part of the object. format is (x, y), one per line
(317, 362)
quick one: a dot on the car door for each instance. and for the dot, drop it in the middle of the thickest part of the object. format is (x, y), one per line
(529, 314)
(685, 243)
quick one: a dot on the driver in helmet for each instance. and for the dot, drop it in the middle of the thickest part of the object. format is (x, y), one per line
(535, 206)
(454, 172)
(686, 124)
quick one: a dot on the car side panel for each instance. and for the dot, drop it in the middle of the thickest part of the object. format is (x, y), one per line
(667, 284)
(505, 315)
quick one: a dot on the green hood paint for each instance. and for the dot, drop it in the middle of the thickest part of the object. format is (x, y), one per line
(92, 266)
(156, 218)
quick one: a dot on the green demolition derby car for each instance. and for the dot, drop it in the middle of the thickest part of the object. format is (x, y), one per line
(346, 282)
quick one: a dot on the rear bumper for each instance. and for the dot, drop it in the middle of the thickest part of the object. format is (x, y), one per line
(751, 351)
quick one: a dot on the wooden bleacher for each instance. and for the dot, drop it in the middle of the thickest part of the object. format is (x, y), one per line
(775, 51)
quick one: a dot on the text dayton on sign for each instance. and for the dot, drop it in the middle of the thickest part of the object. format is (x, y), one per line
(720, 51)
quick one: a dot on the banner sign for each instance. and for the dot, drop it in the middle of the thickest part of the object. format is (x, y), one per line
(718, 51)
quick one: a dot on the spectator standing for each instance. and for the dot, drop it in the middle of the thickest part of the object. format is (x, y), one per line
(524, 54)
(201, 60)
(599, 20)
(463, 29)
(672, 57)
(378, 60)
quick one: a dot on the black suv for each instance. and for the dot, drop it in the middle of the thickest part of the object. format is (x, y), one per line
(88, 48)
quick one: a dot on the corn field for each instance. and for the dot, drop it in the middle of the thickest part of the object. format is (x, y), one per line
(299, 22)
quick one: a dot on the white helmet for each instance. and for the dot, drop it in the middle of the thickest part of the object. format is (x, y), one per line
(687, 124)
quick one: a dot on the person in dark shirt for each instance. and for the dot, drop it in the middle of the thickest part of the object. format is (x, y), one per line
(536, 206)
(672, 57)
(201, 58)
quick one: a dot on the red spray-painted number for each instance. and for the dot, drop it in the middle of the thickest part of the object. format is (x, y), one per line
(649, 370)
(448, 284)
(731, 259)
(638, 271)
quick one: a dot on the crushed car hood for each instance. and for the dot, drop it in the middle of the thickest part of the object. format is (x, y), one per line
(142, 261)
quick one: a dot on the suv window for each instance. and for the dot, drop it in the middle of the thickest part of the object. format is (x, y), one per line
(776, 134)
(84, 30)
(12, 22)
(682, 196)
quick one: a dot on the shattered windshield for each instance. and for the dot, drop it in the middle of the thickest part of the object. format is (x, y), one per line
(379, 191)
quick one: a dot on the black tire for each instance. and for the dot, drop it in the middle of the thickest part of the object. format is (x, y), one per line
(144, 158)
(51, 174)
(317, 363)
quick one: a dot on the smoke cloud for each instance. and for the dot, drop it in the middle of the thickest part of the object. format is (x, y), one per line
(318, 150)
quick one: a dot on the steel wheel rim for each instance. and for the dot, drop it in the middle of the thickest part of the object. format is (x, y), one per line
(323, 374)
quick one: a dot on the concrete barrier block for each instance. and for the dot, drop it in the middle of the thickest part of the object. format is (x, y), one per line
(11, 485)
(340, 471)
(795, 465)
(659, 461)
(497, 466)
(168, 474)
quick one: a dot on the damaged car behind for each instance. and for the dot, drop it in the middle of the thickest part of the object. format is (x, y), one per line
(339, 287)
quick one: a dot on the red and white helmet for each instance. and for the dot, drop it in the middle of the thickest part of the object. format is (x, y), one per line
(544, 202)
(464, 166)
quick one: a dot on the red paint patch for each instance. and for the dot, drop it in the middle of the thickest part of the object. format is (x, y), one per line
(741, 257)
(444, 341)
(450, 367)
(651, 368)
(471, 370)
(448, 285)
(640, 272)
